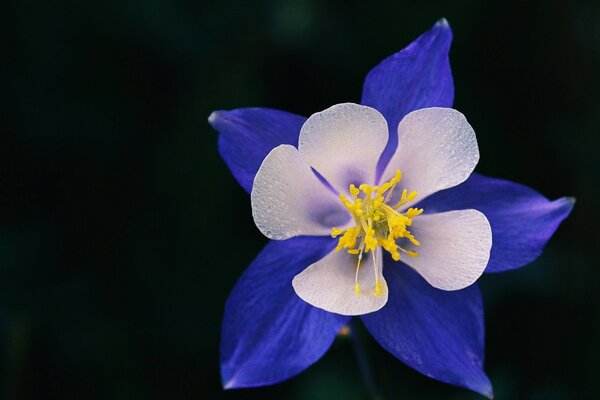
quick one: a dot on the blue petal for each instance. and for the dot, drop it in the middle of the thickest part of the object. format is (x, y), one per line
(522, 220)
(419, 76)
(247, 135)
(269, 334)
(438, 333)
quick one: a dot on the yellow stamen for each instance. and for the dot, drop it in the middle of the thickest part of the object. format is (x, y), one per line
(335, 232)
(356, 284)
(378, 288)
(377, 224)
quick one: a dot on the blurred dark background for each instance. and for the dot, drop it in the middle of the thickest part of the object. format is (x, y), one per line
(115, 206)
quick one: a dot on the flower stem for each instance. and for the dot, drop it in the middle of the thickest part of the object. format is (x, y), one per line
(363, 364)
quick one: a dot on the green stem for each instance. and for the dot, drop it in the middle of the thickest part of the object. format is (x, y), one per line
(363, 364)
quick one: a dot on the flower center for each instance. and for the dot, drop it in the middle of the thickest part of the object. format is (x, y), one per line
(377, 224)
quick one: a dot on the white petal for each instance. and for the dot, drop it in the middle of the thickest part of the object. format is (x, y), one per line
(437, 149)
(329, 284)
(455, 248)
(344, 144)
(289, 200)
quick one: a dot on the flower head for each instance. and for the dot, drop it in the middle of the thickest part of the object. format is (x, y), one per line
(369, 215)
(374, 211)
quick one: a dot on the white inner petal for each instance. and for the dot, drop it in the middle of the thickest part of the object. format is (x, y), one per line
(344, 143)
(289, 200)
(437, 149)
(329, 284)
(455, 248)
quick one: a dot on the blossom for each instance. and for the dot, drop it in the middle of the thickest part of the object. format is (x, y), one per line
(413, 227)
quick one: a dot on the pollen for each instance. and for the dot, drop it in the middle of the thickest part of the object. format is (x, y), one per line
(378, 224)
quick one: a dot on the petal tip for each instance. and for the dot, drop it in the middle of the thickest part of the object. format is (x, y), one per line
(227, 382)
(443, 22)
(228, 385)
(489, 393)
(566, 204)
(484, 387)
(213, 117)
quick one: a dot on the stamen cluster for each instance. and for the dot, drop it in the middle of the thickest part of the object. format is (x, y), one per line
(376, 222)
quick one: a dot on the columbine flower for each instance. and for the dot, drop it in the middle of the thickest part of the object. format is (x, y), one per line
(392, 181)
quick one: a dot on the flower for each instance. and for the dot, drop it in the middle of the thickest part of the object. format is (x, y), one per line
(414, 227)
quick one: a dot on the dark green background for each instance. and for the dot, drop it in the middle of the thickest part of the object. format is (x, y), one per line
(122, 232)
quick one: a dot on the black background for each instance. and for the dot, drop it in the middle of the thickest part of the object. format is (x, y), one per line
(116, 212)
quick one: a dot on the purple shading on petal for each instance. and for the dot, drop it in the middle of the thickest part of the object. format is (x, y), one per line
(247, 135)
(269, 334)
(438, 333)
(522, 220)
(418, 76)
